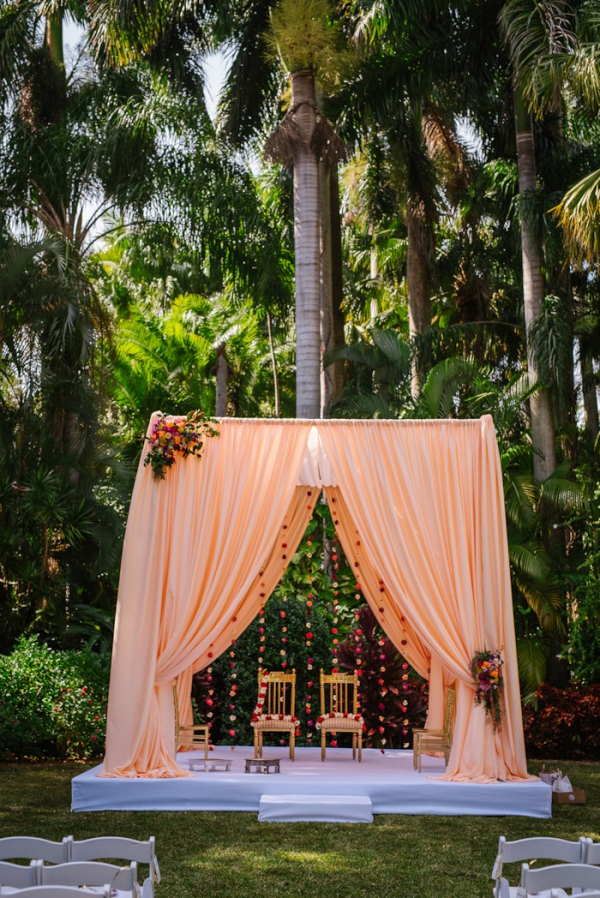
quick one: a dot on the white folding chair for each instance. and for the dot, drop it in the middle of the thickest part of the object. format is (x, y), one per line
(92, 873)
(62, 892)
(17, 876)
(118, 848)
(536, 848)
(557, 877)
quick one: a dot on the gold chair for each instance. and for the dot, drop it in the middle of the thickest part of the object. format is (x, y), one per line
(436, 740)
(339, 709)
(191, 734)
(275, 708)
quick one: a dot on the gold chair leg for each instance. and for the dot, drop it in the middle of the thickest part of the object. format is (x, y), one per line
(292, 745)
(255, 742)
(322, 745)
(353, 746)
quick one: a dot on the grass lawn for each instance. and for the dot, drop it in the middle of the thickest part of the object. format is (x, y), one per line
(227, 855)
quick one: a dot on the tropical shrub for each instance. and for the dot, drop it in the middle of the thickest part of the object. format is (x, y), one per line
(565, 724)
(52, 704)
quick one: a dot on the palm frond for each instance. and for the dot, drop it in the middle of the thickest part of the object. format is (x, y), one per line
(532, 658)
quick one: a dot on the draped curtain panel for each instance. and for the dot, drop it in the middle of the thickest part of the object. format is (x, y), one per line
(426, 501)
(420, 513)
(195, 548)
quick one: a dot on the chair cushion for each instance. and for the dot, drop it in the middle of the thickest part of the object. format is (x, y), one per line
(338, 720)
(274, 722)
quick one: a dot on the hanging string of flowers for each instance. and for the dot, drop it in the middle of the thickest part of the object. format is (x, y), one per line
(486, 668)
(172, 434)
(233, 690)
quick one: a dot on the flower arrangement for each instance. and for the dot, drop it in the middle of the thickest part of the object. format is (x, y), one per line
(172, 434)
(258, 713)
(487, 674)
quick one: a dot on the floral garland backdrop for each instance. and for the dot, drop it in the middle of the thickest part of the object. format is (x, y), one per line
(339, 632)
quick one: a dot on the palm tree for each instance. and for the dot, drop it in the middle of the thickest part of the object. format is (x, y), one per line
(546, 54)
(396, 101)
(308, 48)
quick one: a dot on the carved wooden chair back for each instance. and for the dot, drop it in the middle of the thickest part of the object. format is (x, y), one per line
(281, 692)
(339, 692)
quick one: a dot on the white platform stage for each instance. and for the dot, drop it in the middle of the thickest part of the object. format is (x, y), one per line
(387, 780)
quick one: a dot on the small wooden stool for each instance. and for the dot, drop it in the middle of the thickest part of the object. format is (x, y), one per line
(210, 765)
(262, 765)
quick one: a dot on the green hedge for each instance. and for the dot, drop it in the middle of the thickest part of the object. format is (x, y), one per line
(52, 703)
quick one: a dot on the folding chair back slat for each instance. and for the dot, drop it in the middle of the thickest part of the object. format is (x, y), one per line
(116, 848)
(18, 876)
(559, 876)
(32, 848)
(63, 892)
(91, 873)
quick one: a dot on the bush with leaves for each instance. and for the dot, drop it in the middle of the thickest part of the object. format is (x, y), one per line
(582, 651)
(393, 697)
(565, 724)
(52, 704)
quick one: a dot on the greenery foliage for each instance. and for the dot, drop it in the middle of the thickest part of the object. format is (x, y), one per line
(52, 704)
(139, 251)
(565, 723)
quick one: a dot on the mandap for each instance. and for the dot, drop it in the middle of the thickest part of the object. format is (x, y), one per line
(419, 510)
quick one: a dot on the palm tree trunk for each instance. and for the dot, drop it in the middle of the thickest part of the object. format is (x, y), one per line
(221, 387)
(590, 394)
(306, 244)
(337, 284)
(374, 275)
(418, 284)
(274, 366)
(542, 426)
(326, 323)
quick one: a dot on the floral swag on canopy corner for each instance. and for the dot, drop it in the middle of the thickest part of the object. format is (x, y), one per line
(487, 675)
(171, 434)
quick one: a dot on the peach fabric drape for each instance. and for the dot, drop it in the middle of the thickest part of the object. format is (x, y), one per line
(290, 533)
(195, 547)
(426, 500)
